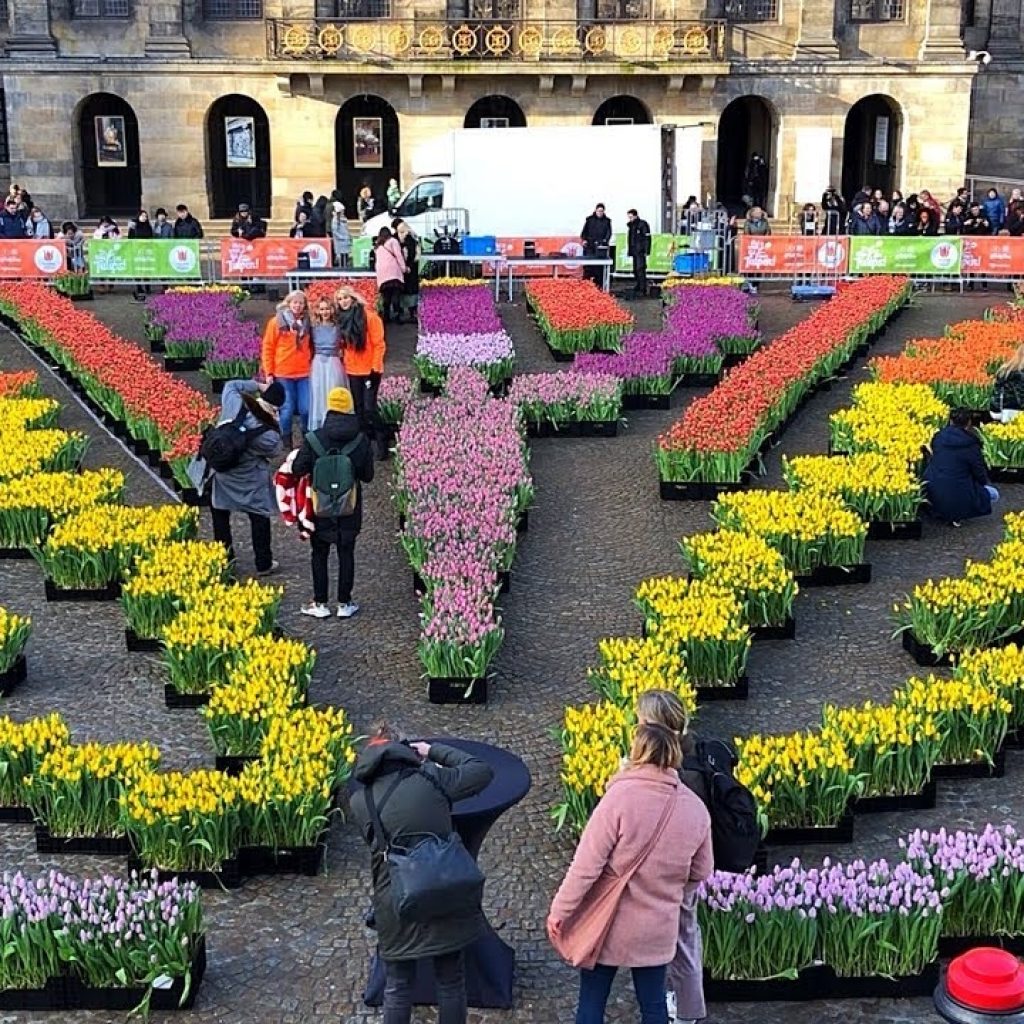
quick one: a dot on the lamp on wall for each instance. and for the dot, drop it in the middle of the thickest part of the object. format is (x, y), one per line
(982, 57)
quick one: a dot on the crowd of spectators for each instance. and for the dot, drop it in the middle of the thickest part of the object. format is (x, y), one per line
(871, 212)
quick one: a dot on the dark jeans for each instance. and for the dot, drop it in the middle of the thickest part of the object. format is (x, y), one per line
(450, 978)
(391, 299)
(364, 398)
(648, 983)
(640, 273)
(260, 536)
(320, 554)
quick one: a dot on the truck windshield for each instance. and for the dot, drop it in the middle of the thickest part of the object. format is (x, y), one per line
(427, 195)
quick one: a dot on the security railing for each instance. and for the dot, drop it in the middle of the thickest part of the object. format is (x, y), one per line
(416, 40)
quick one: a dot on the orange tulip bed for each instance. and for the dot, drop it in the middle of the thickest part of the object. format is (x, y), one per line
(576, 316)
(364, 286)
(155, 408)
(720, 434)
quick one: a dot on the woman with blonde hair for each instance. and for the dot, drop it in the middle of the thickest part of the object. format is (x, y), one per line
(685, 975)
(362, 354)
(286, 357)
(1008, 397)
(326, 372)
(647, 839)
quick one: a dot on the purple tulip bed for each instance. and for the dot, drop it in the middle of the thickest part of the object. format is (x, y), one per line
(459, 326)
(205, 329)
(688, 349)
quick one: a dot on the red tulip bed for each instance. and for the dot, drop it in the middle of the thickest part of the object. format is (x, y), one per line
(576, 316)
(161, 414)
(721, 434)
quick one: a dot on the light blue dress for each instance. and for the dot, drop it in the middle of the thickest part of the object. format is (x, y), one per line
(325, 372)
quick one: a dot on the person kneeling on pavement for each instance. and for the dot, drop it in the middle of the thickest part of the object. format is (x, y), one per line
(956, 480)
(338, 459)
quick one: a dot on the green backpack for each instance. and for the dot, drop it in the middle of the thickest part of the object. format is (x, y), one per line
(333, 478)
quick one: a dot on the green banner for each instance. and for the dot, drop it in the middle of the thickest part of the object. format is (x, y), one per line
(912, 255)
(663, 250)
(361, 247)
(143, 259)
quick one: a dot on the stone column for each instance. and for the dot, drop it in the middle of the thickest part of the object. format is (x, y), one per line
(943, 40)
(1004, 37)
(30, 29)
(817, 37)
(166, 30)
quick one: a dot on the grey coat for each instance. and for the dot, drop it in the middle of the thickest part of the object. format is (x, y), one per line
(248, 487)
(416, 806)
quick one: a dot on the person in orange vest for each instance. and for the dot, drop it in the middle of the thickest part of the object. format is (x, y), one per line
(362, 354)
(287, 356)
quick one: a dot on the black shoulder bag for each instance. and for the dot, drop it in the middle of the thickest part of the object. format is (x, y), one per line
(432, 879)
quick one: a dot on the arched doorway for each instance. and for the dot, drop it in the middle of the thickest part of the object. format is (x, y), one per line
(109, 175)
(871, 145)
(622, 110)
(747, 126)
(367, 149)
(495, 112)
(237, 156)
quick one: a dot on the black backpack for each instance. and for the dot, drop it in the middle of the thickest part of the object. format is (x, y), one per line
(224, 445)
(735, 834)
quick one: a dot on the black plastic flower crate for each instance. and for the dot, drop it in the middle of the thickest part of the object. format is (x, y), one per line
(233, 764)
(14, 676)
(738, 691)
(973, 769)
(111, 592)
(228, 877)
(456, 690)
(104, 846)
(787, 631)
(923, 801)
(923, 654)
(697, 490)
(903, 530)
(146, 644)
(836, 575)
(175, 699)
(289, 860)
(183, 364)
(812, 835)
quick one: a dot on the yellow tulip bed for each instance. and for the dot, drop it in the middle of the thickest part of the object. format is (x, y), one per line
(217, 639)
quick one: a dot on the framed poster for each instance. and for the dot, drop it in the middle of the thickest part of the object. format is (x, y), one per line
(111, 148)
(881, 140)
(240, 138)
(367, 142)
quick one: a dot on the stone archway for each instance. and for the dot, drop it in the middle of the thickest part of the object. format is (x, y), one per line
(109, 171)
(238, 156)
(367, 148)
(495, 112)
(748, 125)
(622, 110)
(872, 145)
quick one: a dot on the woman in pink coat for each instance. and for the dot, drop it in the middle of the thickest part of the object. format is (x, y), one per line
(389, 263)
(645, 924)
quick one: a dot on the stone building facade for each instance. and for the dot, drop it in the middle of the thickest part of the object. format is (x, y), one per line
(113, 103)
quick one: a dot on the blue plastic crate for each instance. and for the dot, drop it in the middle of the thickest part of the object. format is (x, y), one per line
(480, 245)
(691, 262)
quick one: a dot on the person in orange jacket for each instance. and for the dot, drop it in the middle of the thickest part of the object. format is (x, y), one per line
(362, 353)
(286, 357)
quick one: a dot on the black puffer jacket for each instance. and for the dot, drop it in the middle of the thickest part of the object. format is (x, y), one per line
(418, 805)
(339, 428)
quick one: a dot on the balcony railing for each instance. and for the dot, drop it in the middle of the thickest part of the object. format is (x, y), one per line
(510, 40)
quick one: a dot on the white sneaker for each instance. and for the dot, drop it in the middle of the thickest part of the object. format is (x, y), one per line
(346, 611)
(670, 1002)
(317, 611)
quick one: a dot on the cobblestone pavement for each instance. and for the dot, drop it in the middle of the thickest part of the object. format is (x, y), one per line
(294, 951)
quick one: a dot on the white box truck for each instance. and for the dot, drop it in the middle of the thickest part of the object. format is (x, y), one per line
(537, 182)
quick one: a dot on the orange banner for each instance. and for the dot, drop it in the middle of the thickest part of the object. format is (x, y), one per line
(992, 255)
(553, 247)
(793, 254)
(271, 257)
(29, 258)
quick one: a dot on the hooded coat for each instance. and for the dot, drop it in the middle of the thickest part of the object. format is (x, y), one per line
(418, 805)
(246, 487)
(339, 428)
(955, 476)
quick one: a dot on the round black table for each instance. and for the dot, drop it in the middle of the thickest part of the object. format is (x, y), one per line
(490, 962)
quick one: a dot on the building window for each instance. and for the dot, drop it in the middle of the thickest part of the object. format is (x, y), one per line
(232, 10)
(353, 10)
(5, 149)
(876, 10)
(752, 10)
(4, 16)
(622, 10)
(101, 9)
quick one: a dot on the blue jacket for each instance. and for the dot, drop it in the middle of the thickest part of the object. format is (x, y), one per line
(11, 225)
(955, 477)
(996, 213)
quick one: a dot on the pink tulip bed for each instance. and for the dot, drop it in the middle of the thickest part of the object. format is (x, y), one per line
(461, 486)
(459, 326)
(557, 400)
(689, 349)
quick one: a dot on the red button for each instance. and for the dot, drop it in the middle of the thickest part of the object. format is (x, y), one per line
(987, 979)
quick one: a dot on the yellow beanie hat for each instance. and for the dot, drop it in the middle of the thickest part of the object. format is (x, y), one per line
(339, 400)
